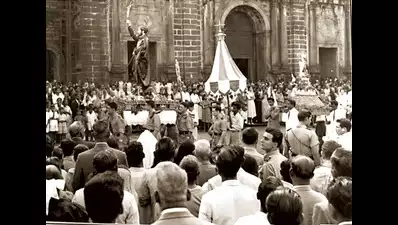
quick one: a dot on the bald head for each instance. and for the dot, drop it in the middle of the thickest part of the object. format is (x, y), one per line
(52, 172)
(172, 184)
(302, 167)
(202, 149)
(76, 129)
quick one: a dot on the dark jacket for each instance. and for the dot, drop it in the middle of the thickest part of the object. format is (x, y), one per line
(84, 164)
(79, 140)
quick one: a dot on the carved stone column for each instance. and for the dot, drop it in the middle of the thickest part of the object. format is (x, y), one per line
(117, 65)
(275, 57)
(313, 54)
(348, 50)
(283, 36)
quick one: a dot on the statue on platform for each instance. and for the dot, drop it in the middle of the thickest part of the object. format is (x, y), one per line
(139, 60)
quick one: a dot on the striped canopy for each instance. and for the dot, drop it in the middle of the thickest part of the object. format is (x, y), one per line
(225, 75)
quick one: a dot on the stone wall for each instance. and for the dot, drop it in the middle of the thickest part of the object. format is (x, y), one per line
(330, 27)
(296, 33)
(187, 38)
(185, 29)
(54, 34)
(94, 45)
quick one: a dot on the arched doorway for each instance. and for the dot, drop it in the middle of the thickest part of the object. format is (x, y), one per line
(51, 60)
(248, 39)
(239, 39)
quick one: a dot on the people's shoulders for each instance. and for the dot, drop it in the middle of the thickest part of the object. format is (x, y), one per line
(128, 197)
(318, 195)
(322, 206)
(257, 218)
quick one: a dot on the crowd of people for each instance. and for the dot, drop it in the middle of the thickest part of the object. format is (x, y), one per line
(96, 171)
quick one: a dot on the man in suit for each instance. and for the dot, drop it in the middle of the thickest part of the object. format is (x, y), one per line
(172, 194)
(84, 166)
(301, 172)
(76, 132)
(74, 104)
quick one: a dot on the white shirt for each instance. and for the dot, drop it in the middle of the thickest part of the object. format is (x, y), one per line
(55, 97)
(322, 177)
(292, 119)
(237, 121)
(243, 177)
(345, 140)
(185, 97)
(130, 213)
(259, 218)
(227, 203)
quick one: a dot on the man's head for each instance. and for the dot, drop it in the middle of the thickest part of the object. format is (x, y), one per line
(236, 107)
(202, 149)
(229, 161)
(101, 131)
(249, 136)
(113, 142)
(284, 206)
(172, 186)
(341, 163)
(52, 172)
(250, 165)
(271, 101)
(267, 186)
(285, 171)
(291, 103)
(302, 170)
(184, 106)
(112, 107)
(76, 129)
(79, 149)
(103, 196)
(304, 117)
(57, 152)
(150, 105)
(272, 139)
(339, 195)
(67, 147)
(343, 126)
(135, 154)
(334, 104)
(104, 161)
(191, 166)
(328, 148)
(164, 151)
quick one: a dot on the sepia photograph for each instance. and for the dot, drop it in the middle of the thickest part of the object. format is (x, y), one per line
(198, 112)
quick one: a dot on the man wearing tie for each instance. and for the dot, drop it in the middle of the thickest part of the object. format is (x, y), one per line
(292, 119)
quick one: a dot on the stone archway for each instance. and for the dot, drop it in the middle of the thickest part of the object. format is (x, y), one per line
(56, 55)
(261, 40)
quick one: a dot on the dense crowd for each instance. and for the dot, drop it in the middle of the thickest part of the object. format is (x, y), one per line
(97, 171)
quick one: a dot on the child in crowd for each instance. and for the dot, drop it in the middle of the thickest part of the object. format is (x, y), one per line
(91, 118)
(53, 122)
(62, 124)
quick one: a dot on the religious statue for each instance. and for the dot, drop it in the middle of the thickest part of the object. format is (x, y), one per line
(139, 59)
(177, 66)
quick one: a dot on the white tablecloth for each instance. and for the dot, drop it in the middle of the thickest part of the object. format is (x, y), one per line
(166, 117)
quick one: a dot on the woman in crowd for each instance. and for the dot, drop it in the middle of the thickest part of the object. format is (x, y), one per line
(251, 107)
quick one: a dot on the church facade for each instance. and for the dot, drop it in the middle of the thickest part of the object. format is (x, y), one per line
(89, 40)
